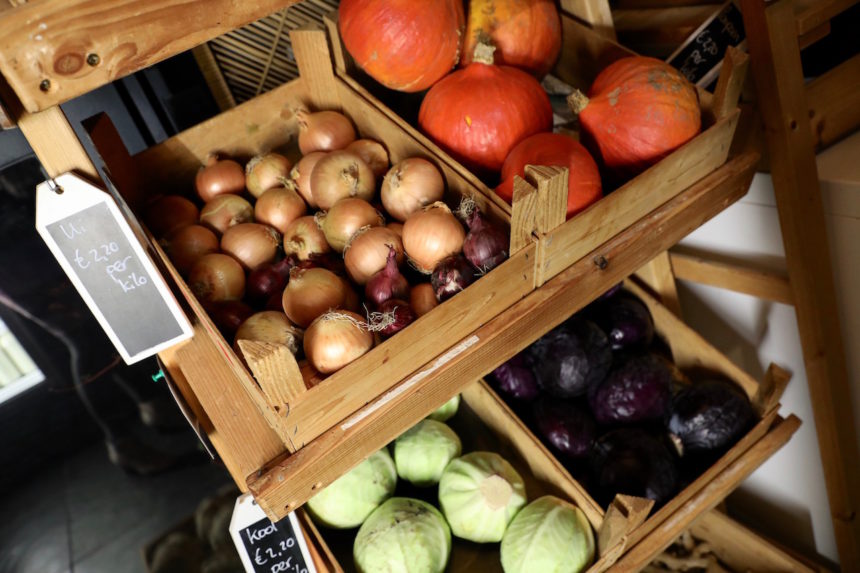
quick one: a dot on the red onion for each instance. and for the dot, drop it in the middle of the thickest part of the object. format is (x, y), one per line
(228, 315)
(393, 315)
(387, 283)
(451, 275)
(269, 279)
(486, 246)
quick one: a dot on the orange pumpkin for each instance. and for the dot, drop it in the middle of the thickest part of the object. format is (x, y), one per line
(405, 45)
(638, 110)
(479, 113)
(526, 33)
(556, 150)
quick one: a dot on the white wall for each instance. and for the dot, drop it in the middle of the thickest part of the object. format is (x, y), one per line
(786, 498)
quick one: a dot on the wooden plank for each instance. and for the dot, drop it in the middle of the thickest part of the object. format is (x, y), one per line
(287, 483)
(812, 13)
(599, 222)
(772, 41)
(818, 33)
(54, 50)
(761, 283)
(584, 54)
(707, 498)
(659, 31)
(213, 76)
(660, 277)
(834, 103)
(55, 143)
(523, 213)
(314, 59)
(594, 12)
(733, 74)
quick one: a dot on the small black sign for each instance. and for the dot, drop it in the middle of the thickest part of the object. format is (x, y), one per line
(700, 57)
(273, 548)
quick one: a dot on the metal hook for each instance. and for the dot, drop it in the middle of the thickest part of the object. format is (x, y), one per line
(52, 183)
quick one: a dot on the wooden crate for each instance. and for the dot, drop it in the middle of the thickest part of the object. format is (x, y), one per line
(584, 53)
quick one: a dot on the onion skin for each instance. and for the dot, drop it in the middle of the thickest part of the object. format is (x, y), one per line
(268, 280)
(341, 174)
(219, 177)
(168, 214)
(217, 277)
(323, 131)
(188, 244)
(266, 172)
(304, 239)
(312, 292)
(335, 339)
(300, 176)
(450, 276)
(485, 246)
(345, 217)
(269, 326)
(367, 252)
(373, 153)
(422, 298)
(225, 211)
(228, 315)
(251, 244)
(278, 207)
(431, 235)
(396, 227)
(387, 283)
(410, 186)
(402, 313)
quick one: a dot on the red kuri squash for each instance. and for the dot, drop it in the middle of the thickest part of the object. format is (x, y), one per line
(556, 150)
(526, 33)
(479, 113)
(638, 110)
(405, 45)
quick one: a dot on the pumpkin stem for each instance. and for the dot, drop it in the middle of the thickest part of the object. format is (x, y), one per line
(577, 101)
(483, 53)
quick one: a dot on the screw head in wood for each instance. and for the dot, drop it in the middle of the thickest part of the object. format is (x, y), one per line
(601, 262)
(45, 85)
(93, 59)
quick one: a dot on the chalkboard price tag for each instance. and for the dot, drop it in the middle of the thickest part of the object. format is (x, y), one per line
(103, 258)
(699, 58)
(267, 547)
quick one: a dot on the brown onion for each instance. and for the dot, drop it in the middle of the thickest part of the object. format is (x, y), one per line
(396, 227)
(410, 186)
(346, 217)
(224, 211)
(367, 252)
(269, 326)
(188, 244)
(217, 277)
(422, 298)
(169, 213)
(279, 207)
(341, 174)
(252, 244)
(228, 315)
(371, 152)
(311, 292)
(431, 235)
(323, 131)
(300, 176)
(219, 177)
(335, 339)
(265, 172)
(304, 239)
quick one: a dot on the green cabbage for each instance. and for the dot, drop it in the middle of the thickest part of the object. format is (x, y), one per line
(422, 452)
(353, 496)
(403, 535)
(479, 494)
(549, 535)
(447, 410)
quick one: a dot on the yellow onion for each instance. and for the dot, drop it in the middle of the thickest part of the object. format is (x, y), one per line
(312, 292)
(278, 207)
(217, 277)
(265, 172)
(371, 152)
(303, 238)
(422, 298)
(168, 214)
(396, 227)
(186, 245)
(410, 186)
(367, 252)
(219, 177)
(224, 211)
(269, 326)
(300, 176)
(252, 244)
(323, 131)
(341, 174)
(431, 235)
(335, 339)
(346, 217)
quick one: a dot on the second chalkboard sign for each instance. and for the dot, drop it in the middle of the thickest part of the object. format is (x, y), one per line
(700, 57)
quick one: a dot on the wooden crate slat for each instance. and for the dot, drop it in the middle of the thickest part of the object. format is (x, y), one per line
(834, 103)
(761, 283)
(812, 13)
